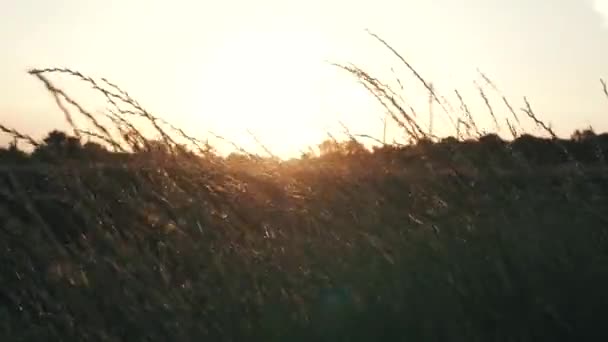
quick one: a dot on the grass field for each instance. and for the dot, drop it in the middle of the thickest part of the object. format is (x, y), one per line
(472, 238)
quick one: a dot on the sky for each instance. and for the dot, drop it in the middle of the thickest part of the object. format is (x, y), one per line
(237, 66)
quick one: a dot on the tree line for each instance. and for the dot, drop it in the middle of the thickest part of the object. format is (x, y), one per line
(584, 146)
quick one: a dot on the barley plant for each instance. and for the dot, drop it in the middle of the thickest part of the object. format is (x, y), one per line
(128, 229)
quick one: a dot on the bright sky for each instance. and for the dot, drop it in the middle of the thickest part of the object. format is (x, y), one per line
(232, 65)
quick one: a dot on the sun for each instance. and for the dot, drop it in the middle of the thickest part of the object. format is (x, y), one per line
(271, 83)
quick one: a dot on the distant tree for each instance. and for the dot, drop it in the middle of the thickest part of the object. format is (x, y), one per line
(602, 140)
(13, 153)
(94, 151)
(584, 135)
(586, 145)
(58, 145)
(73, 147)
(329, 147)
(352, 147)
(491, 139)
(424, 142)
(55, 139)
(349, 147)
(449, 141)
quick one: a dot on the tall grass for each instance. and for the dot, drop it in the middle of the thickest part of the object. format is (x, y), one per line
(163, 240)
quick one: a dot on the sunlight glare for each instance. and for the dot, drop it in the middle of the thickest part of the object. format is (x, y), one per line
(601, 7)
(270, 83)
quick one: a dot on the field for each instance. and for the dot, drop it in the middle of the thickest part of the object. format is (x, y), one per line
(468, 238)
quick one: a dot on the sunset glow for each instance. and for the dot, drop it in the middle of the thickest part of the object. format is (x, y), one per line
(240, 69)
(271, 83)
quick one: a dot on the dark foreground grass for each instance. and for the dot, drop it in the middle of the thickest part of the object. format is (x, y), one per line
(459, 240)
(191, 253)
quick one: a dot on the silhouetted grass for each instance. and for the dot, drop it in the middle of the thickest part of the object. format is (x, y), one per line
(471, 238)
